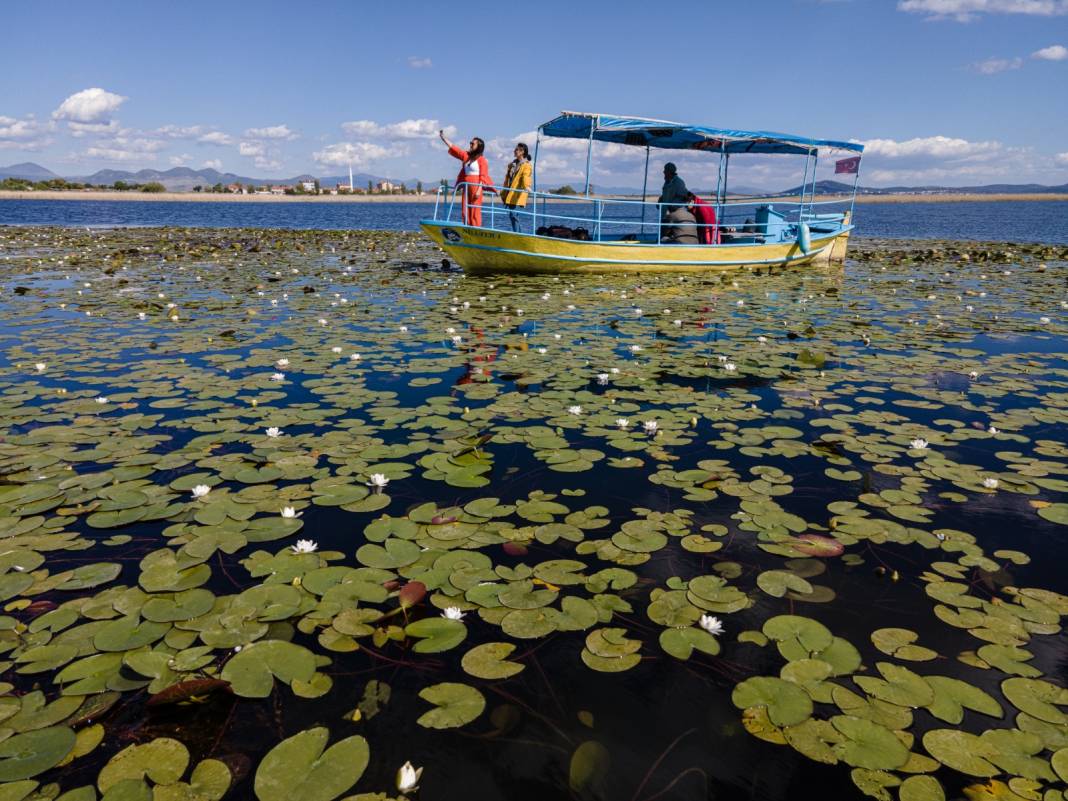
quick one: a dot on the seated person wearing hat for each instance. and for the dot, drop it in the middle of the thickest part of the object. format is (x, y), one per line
(674, 199)
(674, 191)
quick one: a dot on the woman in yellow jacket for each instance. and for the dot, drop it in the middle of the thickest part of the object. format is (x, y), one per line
(516, 184)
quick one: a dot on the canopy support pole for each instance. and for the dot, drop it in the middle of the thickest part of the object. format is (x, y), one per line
(719, 185)
(534, 179)
(853, 200)
(589, 154)
(804, 184)
(726, 169)
(645, 184)
(812, 194)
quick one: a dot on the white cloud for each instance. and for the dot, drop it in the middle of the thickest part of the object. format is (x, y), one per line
(181, 160)
(212, 164)
(271, 132)
(179, 132)
(419, 62)
(215, 138)
(358, 154)
(939, 147)
(992, 66)
(967, 10)
(405, 129)
(24, 134)
(1052, 53)
(80, 129)
(262, 157)
(89, 105)
(1061, 159)
(122, 148)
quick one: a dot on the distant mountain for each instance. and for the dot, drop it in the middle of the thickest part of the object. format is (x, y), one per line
(27, 170)
(178, 179)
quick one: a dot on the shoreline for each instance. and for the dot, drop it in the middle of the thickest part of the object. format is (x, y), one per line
(199, 197)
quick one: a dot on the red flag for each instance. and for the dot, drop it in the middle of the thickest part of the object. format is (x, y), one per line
(850, 165)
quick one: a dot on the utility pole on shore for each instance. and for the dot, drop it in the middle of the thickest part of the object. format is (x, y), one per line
(351, 187)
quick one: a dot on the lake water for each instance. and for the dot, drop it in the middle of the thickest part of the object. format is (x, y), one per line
(860, 470)
(1045, 221)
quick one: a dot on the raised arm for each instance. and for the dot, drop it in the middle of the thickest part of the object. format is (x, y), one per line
(441, 134)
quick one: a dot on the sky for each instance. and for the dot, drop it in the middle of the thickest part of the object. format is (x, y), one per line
(948, 92)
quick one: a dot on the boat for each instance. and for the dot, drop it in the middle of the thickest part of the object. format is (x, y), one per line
(568, 233)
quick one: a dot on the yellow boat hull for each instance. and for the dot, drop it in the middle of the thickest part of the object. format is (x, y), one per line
(486, 250)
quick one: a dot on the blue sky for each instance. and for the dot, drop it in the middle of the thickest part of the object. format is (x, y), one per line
(953, 92)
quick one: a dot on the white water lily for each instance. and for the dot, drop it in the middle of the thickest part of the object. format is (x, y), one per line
(378, 480)
(602, 378)
(730, 367)
(278, 376)
(650, 426)
(335, 349)
(635, 348)
(355, 357)
(519, 312)
(918, 444)
(403, 329)
(452, 613)
(992, 430)
(677, 323)
(282, 362)
(200, 490)
(543, 350)
(973, 375)
(574, 410)
(289, 513)
(273, 431)
(762, 340)
(637, 312)
(408, 778)
(614, 371)
(741, 303)
(1044, 320)
(990, 483)
(622, 422)
(546, 296)
(711, 624)
(305, 546)
(142, 316)
(457, 339)
(101, 399)
(322, 321)
(40, 366)
(450, 330)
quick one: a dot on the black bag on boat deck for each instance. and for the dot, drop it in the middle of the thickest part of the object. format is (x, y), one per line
(556, 231)
(581, 234)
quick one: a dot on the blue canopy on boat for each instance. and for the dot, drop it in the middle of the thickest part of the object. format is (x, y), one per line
(678, 136)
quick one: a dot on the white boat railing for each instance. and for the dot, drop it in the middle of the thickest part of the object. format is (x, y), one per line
(599, 219)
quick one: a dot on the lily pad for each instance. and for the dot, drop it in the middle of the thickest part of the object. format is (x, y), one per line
(303, 767)
(454, 705)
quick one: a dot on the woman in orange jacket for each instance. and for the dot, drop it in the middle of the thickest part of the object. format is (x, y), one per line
(474, 173)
